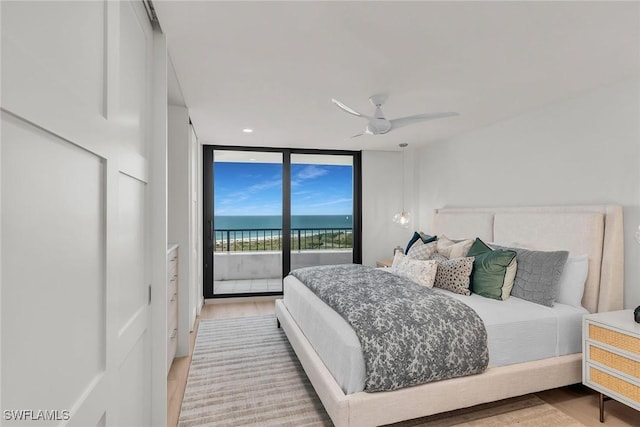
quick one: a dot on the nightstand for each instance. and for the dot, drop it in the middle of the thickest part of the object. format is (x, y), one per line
(611, 357)
(384, 262)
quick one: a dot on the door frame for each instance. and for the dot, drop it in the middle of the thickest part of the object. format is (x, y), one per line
(208, 217)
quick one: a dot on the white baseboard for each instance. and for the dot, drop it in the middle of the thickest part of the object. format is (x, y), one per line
(194, 314)
(199, 305)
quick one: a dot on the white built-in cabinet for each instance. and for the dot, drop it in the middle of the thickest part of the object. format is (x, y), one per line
(184, 218)
(83, 222)
(172, 302)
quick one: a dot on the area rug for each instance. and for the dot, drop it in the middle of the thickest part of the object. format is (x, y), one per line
(245, 373)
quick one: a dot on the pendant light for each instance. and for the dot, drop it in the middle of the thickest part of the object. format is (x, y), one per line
(402, 218)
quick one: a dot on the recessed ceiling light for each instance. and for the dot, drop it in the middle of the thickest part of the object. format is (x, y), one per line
(247, 130)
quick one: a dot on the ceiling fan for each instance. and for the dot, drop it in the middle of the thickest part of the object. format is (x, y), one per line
(378, 124)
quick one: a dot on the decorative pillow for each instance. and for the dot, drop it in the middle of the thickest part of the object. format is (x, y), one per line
(418, 271)
(419, 235)
(438, 257)
(493, 271)
(572, 280)
(451, 249)
(538, 275)
(421, 250)
(453, 275)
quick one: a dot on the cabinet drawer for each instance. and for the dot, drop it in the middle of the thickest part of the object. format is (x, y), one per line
(615, 384)
(172, 323)
(172, 288)
(172, 261)
(172, 315)
(614, 339)
(172, 346)
(615, 361)
(172, 268)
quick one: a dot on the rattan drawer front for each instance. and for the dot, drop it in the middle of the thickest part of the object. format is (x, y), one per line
(615, 361)
(614, 339)
(615, 384)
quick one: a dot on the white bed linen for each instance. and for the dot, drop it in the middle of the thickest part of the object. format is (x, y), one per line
(522, 331)
(517, 330)
(331, 336)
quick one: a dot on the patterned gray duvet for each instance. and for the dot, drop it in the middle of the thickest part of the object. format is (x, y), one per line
(409, 334)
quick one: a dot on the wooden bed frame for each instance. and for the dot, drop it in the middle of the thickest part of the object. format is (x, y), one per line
(592, 230)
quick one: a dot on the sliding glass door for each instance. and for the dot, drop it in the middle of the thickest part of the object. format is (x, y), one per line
(321, 209)
(268, 211)
(247, 206)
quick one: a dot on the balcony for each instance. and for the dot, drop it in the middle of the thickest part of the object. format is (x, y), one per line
(250, 260)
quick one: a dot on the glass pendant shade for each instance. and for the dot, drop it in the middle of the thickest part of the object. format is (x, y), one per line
(403, 219)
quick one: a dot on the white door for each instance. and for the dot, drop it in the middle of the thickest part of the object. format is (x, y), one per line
(75, 265)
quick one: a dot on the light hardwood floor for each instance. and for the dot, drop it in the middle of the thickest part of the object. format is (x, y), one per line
(577, 401)
(177, 378)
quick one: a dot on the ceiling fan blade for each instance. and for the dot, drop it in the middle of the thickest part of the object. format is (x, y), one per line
(404, 121)
(347, 109)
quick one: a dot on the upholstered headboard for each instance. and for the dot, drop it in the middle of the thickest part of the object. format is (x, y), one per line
(593, 230)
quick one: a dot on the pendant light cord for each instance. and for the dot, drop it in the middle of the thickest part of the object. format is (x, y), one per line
(403, 145)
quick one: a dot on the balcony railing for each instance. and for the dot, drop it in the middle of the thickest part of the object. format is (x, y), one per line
(270, 239)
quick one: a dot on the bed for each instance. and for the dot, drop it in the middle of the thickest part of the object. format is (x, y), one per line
(592, 230)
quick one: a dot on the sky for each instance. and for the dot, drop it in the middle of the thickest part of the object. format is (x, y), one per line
(256, 189)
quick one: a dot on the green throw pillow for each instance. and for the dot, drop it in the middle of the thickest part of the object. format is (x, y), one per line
(493, 270)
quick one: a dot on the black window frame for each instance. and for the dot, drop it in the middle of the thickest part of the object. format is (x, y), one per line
(208, 209)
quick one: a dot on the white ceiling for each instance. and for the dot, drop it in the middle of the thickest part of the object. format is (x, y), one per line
(274, 66)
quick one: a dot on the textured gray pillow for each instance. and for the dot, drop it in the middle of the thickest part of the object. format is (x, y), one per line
(538, 275)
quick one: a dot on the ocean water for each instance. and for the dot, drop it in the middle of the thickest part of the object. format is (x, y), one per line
(275, 222)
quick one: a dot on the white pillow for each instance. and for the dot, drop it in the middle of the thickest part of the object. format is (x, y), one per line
(509, 278)
(572, 279)
(419, 271)
(451, 249)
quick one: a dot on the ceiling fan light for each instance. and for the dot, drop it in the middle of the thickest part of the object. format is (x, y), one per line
(379, 125)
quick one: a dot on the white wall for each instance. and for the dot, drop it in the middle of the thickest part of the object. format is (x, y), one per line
(195, 226)
(200, 224)
(268, 264)
(381, 199)
(585, 150)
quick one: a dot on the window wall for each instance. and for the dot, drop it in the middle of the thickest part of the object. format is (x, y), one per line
(268, 211)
